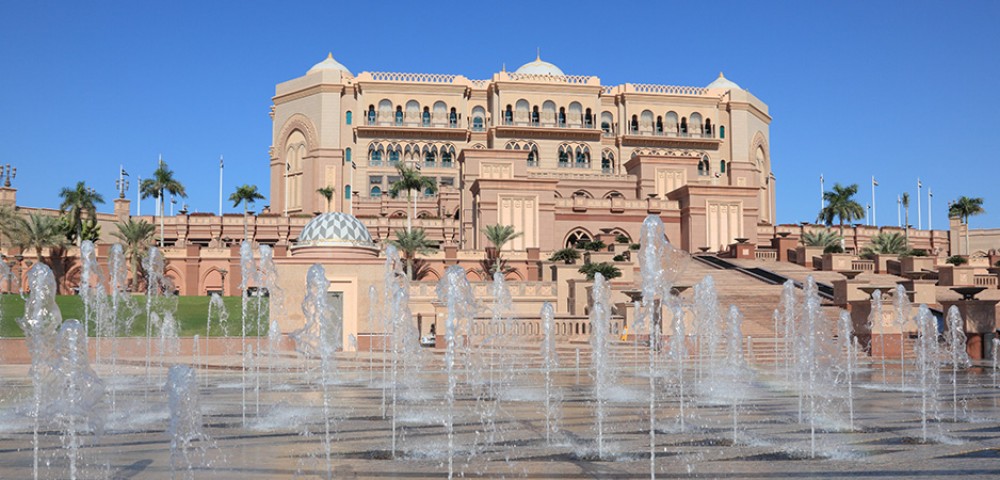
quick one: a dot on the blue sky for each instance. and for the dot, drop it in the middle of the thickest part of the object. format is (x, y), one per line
(898, 90)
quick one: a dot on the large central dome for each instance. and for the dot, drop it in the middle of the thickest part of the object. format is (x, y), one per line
(540, 67)
(335, 229)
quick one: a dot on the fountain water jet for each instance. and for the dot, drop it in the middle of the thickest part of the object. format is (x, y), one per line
(455, 292)
(958, 357)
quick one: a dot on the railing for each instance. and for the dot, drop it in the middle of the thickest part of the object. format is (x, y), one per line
(479, 84)
(863, 265)
(657, 133)
(413, 77)
(988, 280)
(767, 255)
(668, 89)
(534, 77)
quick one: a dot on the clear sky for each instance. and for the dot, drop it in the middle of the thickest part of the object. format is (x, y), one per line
(898, 90)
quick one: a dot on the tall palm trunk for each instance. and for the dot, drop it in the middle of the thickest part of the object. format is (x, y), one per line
(162, 228)
(967, 251)
(245, 212)
(409, 218)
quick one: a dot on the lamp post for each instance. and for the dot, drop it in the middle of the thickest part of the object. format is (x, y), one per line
(223, 272)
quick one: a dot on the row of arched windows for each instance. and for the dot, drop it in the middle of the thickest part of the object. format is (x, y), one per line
(548, 114)
(671, 124)
(431, 155)
(523, 113)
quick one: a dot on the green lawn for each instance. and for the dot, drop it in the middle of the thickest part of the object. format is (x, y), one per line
(191, 314)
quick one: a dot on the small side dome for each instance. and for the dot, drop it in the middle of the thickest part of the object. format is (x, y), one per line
(540, 67)
(329, 64)
(335, 229)
(723, 83)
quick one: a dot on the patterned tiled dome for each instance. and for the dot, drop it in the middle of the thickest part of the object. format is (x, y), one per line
(334, 229)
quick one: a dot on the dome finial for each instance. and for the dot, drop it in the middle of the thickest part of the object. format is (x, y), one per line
(721, 76)
(538, 54)
(329, 55)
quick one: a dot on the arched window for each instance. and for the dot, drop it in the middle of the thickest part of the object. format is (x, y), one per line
(429, 158)
(708, 127)
(705, 166)
(376, 191)
(508, 115)
(348, 117)
(440, 112)
(588, 119)
(385, 110)
(701, 169)
(659, 124)
(522, 113)
(635, 124)
(671, 124)
(607, 161)
(425, 118)
(576, 238)
(575, 113)
(722, 132)
(563, 157)
(646, 121)
(399, 116)
(347, 154)
(562, 117)
(478, 116)
(428, 191)
(722, 166)
(393, 156)
(582, 157)
(371, 114)
(375, 156)
(446, 155)
(684, 126)
(347, 192)
(453, 118)
(533, 156)
(534, 115)
(695, 125)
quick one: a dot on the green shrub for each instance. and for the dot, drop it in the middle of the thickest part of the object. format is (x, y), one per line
(621, 238)
(619, 258)
(835, 248)
(634, 246)
(957, 260)
(567, 255)
(887, 243)
(593, 246)
(604, 268)
(820, 238)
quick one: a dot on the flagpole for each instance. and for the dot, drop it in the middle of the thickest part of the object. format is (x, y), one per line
(874, 215)
(138, 196)
(822, 190)
(920, 224)
(220, 185)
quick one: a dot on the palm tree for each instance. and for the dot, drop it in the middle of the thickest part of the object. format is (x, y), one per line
(38, 232)
(245, 194)
(411, 181)
(821, 238)
(840, 204)
(499, 235)
(136, 237)
(411, 243)
(964, 208)
(77, 200)
(327, 193)
(9, 221)
(906, 219)
(162, 182)
(886, 243)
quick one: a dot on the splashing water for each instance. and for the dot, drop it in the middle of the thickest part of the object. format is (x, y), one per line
(455, 292)
(550, 362)
(185, 416)
(958, 356)
(600, 370)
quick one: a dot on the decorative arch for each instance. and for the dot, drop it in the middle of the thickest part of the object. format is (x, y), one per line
(613, 194)
(473, 275)
(175, 276)
(211, 273)
(301, 123)
(398, 214)
(575, 236)
(760, 141)
(582, 193)
(424, 214)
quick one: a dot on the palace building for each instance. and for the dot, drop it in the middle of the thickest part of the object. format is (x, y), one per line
(562, 158)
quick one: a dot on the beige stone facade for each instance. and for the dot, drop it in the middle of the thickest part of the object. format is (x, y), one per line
(559, 157)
